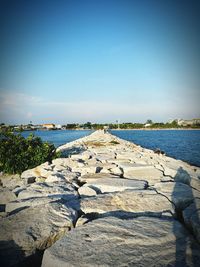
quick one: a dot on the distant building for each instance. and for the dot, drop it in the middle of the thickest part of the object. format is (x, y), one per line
(58, 126)
(147, 125)
(192, 122)
(48, 126)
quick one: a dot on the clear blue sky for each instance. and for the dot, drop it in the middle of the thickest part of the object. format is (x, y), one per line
(99, 61)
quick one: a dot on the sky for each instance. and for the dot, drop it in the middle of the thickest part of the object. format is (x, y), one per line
(65, 61)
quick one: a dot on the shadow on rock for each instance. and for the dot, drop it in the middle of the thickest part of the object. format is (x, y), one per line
(13, 255)
(186, 247)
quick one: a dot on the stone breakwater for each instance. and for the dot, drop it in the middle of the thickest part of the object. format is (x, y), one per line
(107, 202)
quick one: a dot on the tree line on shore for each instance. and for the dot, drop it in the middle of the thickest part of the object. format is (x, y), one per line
(129, 125)
(149, 124)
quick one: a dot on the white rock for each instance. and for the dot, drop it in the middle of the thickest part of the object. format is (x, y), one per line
(29, 176)
(10, 181)
(55, 178)
(114, 242)
(86, 191)
(87, 177)
(46, 190)
(6, 196)
(169, 172)
(35, 228)
(149, 174)
(137, 202)
(117, 171)
(86, 169)
(106, 185)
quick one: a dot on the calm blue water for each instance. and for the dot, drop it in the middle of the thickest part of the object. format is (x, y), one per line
(60, 137)
(179, 144)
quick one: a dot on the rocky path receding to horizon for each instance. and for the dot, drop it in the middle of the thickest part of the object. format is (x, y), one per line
(107, 202)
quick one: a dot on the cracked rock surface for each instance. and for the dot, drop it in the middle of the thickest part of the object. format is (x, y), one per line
(107, 202)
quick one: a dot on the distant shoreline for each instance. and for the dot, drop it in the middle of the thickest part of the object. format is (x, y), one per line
(156, 129)
(113, 129)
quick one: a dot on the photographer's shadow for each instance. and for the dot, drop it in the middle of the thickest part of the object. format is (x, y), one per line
(187, 249)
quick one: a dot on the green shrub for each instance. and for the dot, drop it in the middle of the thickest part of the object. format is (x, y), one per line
(18, 153)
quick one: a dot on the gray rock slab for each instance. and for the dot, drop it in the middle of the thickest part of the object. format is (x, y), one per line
(40, 195)
(150, 174)
(138, 202)
(34, 228)
(106, 185)
(88, 177)
(125, 156)
(114, 242)
(135, 166)
(46, 189)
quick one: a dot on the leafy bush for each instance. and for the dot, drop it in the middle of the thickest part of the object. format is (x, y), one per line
(18, 153)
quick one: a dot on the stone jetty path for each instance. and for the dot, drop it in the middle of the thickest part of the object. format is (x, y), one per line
(106, 202)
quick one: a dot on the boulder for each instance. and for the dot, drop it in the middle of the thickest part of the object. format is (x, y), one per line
(82, 156)
(106, 185)
(29, 176)
(65, 162)
(46, 189)
(55, 177)
(86, 191)
(10, 180)
(117, 171)
(124, 156)
(87, 169)
(169, 172)
(134, 166)
(87, 177)
(148, 173)
(137, 202)
(40, 194)
(114, 242)
(35, 228)
(6, 196)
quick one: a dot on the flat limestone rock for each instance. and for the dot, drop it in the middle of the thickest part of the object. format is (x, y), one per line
(39, 195)
(46, 189)
(135, 166)
(89, 176)
(114, 242)
(34, 228)
(138, 202)
(106, 185)
(150, 174)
